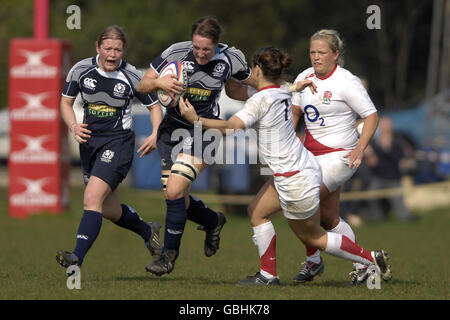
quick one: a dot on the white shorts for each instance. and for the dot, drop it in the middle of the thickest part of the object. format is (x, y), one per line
(299, 194)
(335, 170)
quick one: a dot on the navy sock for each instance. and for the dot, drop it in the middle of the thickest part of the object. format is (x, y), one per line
(131, 220)
(89, 228)
(175, 222)
(199, 213)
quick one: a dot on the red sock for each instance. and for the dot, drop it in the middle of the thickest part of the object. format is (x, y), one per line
(341, 246)
(310, 251)
(353, 248)
(269, 258)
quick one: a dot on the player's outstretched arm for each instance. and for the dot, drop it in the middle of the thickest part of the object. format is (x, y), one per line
(226, 127)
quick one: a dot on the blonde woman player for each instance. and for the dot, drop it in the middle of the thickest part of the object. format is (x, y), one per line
(295, 186)
(330, 118)
(107, 85)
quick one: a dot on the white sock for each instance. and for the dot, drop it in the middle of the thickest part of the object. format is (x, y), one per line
(342, 228)
(314, 258)
(265, 238)
(345, 229)
(266, 274)
(348, 250)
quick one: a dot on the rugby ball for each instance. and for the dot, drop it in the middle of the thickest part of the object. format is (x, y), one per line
(176, 68)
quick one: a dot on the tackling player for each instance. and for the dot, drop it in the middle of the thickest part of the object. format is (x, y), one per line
(295, 187)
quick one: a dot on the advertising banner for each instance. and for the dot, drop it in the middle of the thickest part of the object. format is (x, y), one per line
(38, 162)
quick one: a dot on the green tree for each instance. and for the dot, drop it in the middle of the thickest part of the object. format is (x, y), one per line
(392, 59)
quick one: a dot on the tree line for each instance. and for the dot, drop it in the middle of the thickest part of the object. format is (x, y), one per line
(391, 58)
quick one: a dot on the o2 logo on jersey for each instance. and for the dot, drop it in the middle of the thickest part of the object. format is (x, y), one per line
(312, 114)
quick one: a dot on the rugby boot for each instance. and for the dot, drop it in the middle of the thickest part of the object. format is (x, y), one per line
(380, 258)
(259, 280)
(163, 264)
(154, 243)
(212, 238)
(359, 276)
(66, 259)
(309, 271)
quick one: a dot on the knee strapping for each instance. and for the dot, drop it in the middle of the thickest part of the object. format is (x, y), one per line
(185, 169)
(164, 178)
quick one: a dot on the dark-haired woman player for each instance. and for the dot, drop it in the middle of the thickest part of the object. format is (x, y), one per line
(297, 176)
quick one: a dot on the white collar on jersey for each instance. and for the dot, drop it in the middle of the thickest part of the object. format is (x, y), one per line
(112, 74)
(104, 72)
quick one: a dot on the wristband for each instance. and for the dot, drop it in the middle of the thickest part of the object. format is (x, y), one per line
(292, 87)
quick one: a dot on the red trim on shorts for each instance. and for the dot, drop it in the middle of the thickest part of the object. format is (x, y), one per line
(268, 87)
(286, 174)
(315, 147)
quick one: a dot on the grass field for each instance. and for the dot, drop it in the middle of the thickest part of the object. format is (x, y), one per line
(114, 267)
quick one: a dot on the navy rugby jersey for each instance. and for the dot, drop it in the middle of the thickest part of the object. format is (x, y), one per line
(205, 82)
(106, 96)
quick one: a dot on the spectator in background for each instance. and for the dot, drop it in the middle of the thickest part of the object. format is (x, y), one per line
(384, 157)
(353, 211)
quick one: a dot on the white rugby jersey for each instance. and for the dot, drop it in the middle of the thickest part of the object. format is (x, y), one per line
(269, 112)
(330, 114)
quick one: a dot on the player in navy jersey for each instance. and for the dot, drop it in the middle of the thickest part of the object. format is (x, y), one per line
(107, 85)
(210, 67)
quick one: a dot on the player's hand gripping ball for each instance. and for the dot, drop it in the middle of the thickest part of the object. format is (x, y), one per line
(176, 68)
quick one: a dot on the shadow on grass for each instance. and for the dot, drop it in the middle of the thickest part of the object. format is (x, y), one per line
(344, 284)
(210, 281)
(147, 277)
(165, 278)
(327, 283)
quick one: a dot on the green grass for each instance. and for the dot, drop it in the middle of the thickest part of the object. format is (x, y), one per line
(114, 267)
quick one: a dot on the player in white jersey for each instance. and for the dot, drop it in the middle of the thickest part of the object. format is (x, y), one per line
(295, 187)
(330, 118)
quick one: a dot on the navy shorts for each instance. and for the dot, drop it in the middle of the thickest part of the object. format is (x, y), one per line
(108, 157)
(193, 141)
